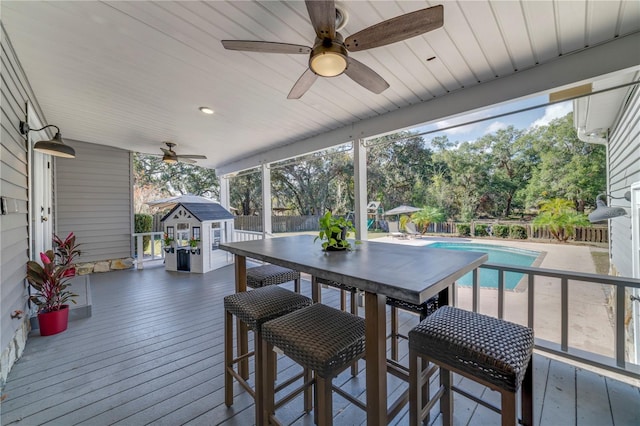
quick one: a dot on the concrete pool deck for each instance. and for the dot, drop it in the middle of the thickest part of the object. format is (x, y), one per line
(590, 323)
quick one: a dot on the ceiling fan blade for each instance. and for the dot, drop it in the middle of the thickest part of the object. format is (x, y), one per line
(185, 160)
(201, 157)
(396, 29)
(365, 76)
(323, 17)
(264, 46)
(303, 84)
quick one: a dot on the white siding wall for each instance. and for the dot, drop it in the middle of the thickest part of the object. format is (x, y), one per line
(93, 200)
(14, 232)
(624, 170)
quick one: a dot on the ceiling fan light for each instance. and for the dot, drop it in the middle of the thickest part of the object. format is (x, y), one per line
(169, 159)
(328, 64)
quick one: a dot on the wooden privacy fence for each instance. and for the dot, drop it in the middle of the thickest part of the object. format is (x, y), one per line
(594, 234)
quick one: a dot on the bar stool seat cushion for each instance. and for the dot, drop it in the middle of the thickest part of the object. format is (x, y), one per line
(258, 306)
(491, 349)
(266, 275)
(319, 337)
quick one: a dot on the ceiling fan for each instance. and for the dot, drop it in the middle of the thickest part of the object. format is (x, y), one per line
(171, 157)
(329, 56)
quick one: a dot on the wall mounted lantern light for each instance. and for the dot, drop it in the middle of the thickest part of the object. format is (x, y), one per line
(604, 212)
(55, 146)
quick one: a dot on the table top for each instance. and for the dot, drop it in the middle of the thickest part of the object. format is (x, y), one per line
(409, 273)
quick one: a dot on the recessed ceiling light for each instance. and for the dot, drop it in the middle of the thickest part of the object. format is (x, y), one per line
(206, 110)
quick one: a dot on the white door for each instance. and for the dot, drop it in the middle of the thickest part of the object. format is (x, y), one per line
(41, 181)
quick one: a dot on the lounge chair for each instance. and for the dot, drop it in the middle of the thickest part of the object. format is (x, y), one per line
(395, 232)
(411, 230)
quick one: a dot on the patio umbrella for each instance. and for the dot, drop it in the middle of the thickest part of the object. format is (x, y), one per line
(401, 210)
(166, 203)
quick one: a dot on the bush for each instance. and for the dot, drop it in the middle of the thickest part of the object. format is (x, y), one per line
(501, 231)
(518, 232)
(464, 229)
(143, 223)
(481, 230)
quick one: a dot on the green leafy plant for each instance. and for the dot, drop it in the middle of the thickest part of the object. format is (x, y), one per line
(193, 242)
(517, 232)
(334, 232)
(167, 240)
(561, 218)
(402, 225)
(464, 229)
(50, 281)
(501, 231)
(426, 217)
(143, 223)
(481, 230)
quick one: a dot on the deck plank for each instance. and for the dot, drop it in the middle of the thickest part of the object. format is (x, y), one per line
(152, 352)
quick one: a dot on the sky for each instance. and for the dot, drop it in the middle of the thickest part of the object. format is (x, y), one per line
(524, 120)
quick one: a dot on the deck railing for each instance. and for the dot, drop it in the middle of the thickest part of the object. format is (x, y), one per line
(240, 235)
(566, 289)
(153, 252)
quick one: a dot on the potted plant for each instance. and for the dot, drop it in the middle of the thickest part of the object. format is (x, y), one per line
(168, 243)
(193, 243)
(334, 232)
(50, 282)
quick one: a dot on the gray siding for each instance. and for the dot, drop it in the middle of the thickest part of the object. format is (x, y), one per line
(624, 170)
(14, 227)
(93, 200)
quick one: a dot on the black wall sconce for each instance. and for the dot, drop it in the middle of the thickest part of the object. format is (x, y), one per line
(55, 146)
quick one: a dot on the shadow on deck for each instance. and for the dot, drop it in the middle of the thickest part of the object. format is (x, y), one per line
(153, 353)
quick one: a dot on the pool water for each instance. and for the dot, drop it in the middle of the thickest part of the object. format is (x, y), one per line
(497, 254)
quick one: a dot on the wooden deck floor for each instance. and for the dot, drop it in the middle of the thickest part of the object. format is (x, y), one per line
(152, 353)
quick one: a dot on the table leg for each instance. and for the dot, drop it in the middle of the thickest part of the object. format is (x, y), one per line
(376, 358)
(241, 327)
(316, 291)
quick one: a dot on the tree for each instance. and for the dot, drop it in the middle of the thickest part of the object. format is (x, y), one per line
(567, 168)
(245, 193)
(561, 218)
(155, 179)
(427, 216)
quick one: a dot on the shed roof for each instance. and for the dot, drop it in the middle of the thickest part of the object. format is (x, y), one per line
(203, 211)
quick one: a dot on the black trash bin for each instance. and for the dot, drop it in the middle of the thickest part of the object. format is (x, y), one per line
(184, 260)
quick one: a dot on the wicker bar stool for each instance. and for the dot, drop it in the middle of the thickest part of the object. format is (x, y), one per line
(492, 352)
(265, 275)
(320, 338)
(424, 310)
(254, 308)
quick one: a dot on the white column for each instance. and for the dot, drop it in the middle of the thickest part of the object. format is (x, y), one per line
(266, 201)
(360, 185)
(225, 199)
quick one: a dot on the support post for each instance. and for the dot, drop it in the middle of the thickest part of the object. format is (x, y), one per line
(360, 186)
(266, 201)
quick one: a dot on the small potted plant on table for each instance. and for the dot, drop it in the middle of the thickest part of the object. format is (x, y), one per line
(193, 244)
(334, 232)
(50, 282)
(168, 243)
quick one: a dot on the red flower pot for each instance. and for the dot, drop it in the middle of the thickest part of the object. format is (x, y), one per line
(54, 322)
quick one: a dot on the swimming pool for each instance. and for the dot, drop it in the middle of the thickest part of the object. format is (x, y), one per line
(497, 254)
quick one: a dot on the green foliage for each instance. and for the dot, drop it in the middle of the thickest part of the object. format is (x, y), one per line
(464, 229)
(501, 231)
(334, 232)
(245, 193)
(561, 218)
(517, 232)
(480, 230)
(143, 223)
(50, 280)
(427, 216)
(402, 223)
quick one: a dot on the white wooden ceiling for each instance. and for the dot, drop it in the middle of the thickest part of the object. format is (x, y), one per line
(132, 74)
